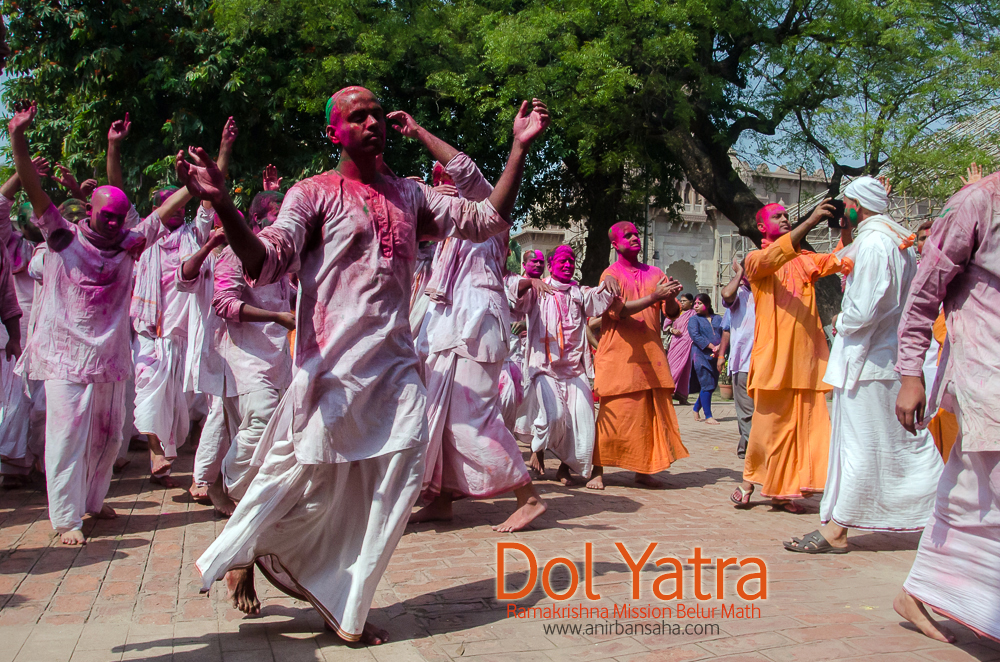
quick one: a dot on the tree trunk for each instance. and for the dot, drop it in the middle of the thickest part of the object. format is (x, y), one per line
(604, 199)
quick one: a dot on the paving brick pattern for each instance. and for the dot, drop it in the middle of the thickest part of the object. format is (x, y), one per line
(133, 592)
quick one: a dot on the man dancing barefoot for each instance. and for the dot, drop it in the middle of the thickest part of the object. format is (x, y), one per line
(346, 447)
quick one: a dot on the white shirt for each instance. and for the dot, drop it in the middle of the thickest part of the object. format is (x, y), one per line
(356, 392)
(864, 348)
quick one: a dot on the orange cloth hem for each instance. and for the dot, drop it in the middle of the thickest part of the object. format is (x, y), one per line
(789, 445)
(638, 432)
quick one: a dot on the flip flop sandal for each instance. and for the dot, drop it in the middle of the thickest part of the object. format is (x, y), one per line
(813, 543)
(740, 497)
(788, 507)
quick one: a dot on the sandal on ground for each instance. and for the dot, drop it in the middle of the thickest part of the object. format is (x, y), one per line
(788, 507)
(740, 497)
(813, 543)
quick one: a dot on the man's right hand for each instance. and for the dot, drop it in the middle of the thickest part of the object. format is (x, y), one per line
(823, 211)
(119, 130)
(911, 402)
(202, 176)
(447, 189)
(287, 320)
(24, 114)
(531, 121)
(271, 180)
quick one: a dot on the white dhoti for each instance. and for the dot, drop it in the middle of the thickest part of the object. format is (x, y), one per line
(561, 412)
(128, 418)
(161, 406)
(216, 437)
(511, 393)
(251, 412)
(319, 532)
(471, 452)
(957, 568)
(22, 425)
(880, 477)
(82, 435)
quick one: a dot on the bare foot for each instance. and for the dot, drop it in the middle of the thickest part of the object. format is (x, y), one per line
(241, 590)
(787, 506)
(199, 492)
(438, 510)
(220, 500)
(164, 481)
(120, 464)
(370, 636)
(563, 475)
(106, 512)
(914, 611)
(697, 416)
(711, 421)
(596, 481)
(73, 538)
(648, 481)
(522, 517)
(536, 465)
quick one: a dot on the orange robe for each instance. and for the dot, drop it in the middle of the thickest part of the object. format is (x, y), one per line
(944, 426)
(789, 443)
(636, 424)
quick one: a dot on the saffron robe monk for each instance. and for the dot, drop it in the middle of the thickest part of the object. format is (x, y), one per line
(347, 444)
(636, 424)
(789, 443)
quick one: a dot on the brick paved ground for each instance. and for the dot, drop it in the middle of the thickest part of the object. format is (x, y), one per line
(132, 593)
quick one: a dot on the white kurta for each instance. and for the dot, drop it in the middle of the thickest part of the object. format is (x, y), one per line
(80, 346)
(471, 453)
(258, 365)
(559, 402)
(162, 368)
(345, 448)
(879, 477)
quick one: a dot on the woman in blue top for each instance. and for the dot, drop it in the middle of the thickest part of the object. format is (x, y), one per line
(705, 329)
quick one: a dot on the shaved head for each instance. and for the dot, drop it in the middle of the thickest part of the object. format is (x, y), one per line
(337, 102)
(110, 197)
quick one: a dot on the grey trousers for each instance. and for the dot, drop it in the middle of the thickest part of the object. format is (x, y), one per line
(744, 409)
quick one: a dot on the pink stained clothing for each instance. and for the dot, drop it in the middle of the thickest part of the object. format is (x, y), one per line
(356, 392)
(557, 340)
(249, 414)
(960, 268)
(162, 406)
(257, 354)
(19, 251)
(205, 368)
(955, 571)
(82, 436)
(81, 333)
(471, 453)
(679, 353)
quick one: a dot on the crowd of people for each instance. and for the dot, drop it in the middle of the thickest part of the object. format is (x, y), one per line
(356, 345)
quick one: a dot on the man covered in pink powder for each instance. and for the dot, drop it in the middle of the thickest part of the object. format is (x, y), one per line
(471, 452)
(81, 343)
(956, 571)
(346, 446)
(559, 401)
(532, 267)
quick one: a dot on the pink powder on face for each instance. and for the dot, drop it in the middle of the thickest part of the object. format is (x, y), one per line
(562, 263)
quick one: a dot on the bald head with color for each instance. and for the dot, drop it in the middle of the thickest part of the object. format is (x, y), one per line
(356, 121)
(108, 208)
(625, 239)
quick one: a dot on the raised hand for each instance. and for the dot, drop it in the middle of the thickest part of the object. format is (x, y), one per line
(201, 175)
(974, 172)
(66, 179)
(823, 211)
(531, 121)
(24, 114)
(42, 166)
(271, 180)
(403, 122)
(229, 133)
(667, 288)
(87, 187)
(119, 130)
(884, 181)
(447, 189)
(216, 238)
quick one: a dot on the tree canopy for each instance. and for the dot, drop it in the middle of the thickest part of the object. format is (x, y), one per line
(642, 93)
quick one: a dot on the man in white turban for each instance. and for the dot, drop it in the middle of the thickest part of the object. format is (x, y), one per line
(879, 478)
